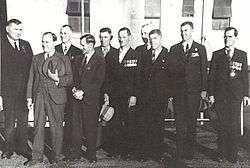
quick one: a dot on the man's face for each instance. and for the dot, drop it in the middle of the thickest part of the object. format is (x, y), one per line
(14, 31)
(86, 47)
(105, 39)
(65, 34)
(145, 34)
(186, 32)
(48, 44)
(155, 40)
(123, 38)
(229, 38)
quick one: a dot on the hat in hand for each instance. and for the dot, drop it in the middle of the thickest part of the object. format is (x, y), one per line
(106, 113)
(53, 63)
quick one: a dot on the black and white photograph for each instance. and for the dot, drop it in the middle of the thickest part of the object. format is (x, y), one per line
(124, 84)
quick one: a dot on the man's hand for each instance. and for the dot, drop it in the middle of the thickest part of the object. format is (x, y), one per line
(54, 76)
(246, 100)
(132, 101)
(211, 99)
(106, 98)
(78, 94)
(203, 94)
(1, 103)
(29, 104)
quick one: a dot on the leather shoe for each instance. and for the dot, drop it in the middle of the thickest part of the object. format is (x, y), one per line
(6, 155)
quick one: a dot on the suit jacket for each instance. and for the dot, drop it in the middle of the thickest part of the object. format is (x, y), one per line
(73, 53)
(155, 77)
(223, 83)
(113, 52)
(189, 70)
(15, 68)
(39, 82)
(125, 76)
(91, 78)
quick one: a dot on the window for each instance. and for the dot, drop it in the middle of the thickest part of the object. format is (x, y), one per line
(153, 12)
(222, 13)
(74, 12)
(188, 8)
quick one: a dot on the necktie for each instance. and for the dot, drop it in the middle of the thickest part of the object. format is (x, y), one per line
(229, 54)
(16, 48)
(84, 61)
(105, 51)
(153, 56)
(65, 50)
(187, 48)
(46, 56)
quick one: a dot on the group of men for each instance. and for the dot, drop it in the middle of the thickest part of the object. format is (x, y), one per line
(65, 83)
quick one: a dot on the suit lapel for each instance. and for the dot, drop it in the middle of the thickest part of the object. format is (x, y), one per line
(89, 65)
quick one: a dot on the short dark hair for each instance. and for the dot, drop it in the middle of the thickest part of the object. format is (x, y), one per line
(231, 28)
(105, 29)
(16, 21)
(155, 31)
(125, 29)
(89, 38)
(66, 25)
(52, 34)
(188, 23)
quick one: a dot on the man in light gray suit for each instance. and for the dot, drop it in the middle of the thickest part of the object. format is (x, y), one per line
(50, 73)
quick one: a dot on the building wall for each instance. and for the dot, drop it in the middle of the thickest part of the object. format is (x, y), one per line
(38, 16)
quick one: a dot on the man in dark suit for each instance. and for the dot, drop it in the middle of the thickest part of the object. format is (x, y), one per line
(87, 91)
(16, 60)
(46, 89)
(68, 49)
(125, 79)
(228, 86)
(108, 52)
(189, 65)
(155, 93)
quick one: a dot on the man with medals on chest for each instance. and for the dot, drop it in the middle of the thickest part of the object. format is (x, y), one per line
(125, 78)
(228, 87)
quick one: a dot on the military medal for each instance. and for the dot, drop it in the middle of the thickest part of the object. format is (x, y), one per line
(232, 73)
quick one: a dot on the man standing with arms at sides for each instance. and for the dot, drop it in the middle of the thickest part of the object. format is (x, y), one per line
(47, 90)
(155, 95)
(16, 61)
(109, 53)
(68, 49)
(228, 87)
(87, 91)
(125, 79)
(189, 63)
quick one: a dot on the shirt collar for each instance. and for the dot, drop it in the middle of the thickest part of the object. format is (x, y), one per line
(48, 54)
(67, 45)
(157, 52)
(108, 48)
(89, 55)
(13, 41)
(124, 50)
(190, 42)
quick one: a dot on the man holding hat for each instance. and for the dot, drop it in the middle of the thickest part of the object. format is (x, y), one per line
(50, 73)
